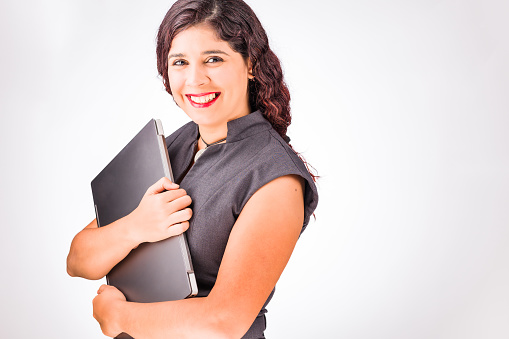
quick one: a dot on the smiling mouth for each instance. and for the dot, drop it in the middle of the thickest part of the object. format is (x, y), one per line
(202, 100)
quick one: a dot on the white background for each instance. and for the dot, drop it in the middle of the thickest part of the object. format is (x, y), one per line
(401, 106)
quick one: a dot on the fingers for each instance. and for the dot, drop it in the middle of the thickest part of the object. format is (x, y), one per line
(178, 228)
(165, 206)
(176, 201)
(168, 196)
(163, 184)
(179, 216)
(173, 201)
(102, 288)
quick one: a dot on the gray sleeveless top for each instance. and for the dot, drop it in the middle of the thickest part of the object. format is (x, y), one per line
(221, 182)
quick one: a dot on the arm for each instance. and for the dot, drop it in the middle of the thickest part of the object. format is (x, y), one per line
(162, 213)
(258, 250)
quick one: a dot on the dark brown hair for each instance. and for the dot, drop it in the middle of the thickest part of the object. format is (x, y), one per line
(236, 23)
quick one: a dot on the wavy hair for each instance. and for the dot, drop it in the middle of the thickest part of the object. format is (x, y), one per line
(236, 23)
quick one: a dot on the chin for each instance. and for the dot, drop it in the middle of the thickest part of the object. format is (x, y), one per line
(204, 117)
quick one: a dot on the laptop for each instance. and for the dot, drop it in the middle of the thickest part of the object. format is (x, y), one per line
(153, 272)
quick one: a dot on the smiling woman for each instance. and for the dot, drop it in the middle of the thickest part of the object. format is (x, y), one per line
(208, 79)
(241, 192)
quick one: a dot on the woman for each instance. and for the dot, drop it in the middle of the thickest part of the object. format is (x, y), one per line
(244, 201)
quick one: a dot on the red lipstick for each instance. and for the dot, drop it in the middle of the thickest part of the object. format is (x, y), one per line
(205, 104)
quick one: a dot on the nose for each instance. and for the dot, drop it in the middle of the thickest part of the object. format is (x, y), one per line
(196, 76)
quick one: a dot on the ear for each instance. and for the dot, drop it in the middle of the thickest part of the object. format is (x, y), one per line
(250, 75)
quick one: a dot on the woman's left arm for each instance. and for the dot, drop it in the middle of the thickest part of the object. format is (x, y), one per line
(258, 249)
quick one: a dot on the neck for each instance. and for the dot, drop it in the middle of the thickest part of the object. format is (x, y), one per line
(211, 135)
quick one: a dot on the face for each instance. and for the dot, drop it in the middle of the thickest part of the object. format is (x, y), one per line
(208, 79)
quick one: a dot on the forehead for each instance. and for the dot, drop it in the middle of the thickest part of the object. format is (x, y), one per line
(197, 39)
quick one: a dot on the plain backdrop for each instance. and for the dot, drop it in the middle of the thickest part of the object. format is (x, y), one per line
(401, 106)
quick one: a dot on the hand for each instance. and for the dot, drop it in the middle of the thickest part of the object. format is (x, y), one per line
(161, 214)
(107, 303)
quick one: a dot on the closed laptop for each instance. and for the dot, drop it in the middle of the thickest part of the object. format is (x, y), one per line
(159, 271)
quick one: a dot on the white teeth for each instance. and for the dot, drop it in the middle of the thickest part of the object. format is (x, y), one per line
(204, 99)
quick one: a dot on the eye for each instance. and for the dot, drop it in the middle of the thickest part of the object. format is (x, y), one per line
(213, 60)
(179, 62)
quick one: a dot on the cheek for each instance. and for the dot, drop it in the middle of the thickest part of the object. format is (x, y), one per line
(234, 79)
(241, 84)
(176, 84)
(242, 77)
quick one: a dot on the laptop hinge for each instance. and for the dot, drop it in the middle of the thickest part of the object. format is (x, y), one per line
(159, 127)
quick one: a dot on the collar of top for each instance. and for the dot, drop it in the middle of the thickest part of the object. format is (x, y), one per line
(244, 127)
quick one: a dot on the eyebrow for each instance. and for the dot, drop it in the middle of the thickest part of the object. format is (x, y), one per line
(215, 51)
(176, 55)
(182, 55)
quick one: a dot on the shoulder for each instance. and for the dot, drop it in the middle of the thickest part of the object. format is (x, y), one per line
(181, 145)
(182, 134)
(272, 159)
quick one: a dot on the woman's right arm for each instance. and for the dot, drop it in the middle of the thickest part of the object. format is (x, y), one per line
(162, 213)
